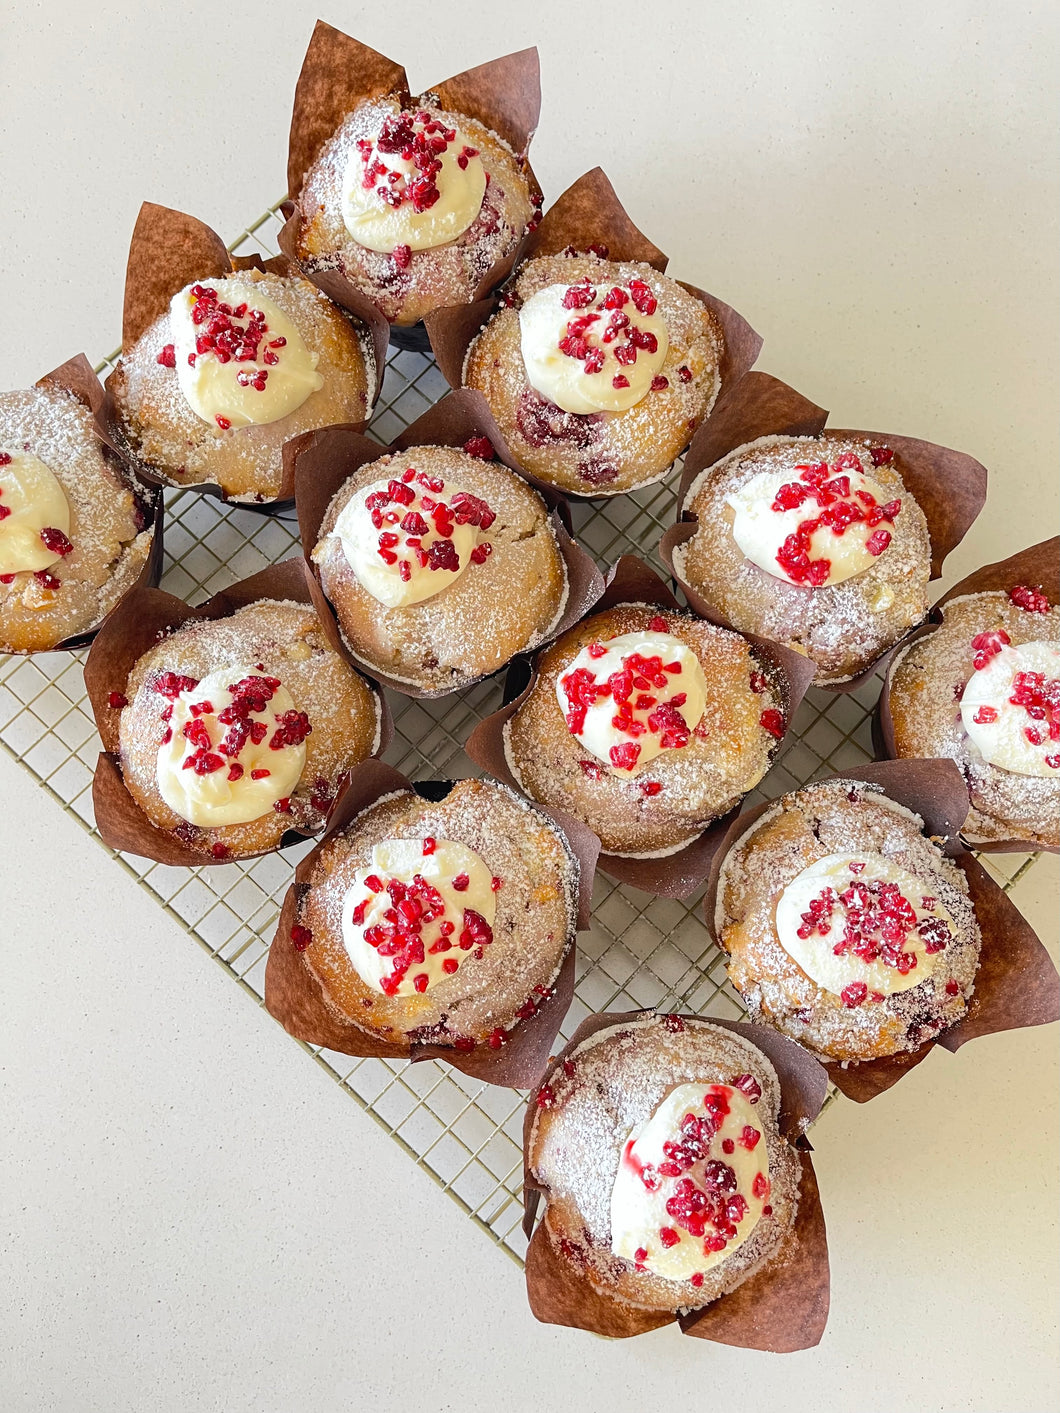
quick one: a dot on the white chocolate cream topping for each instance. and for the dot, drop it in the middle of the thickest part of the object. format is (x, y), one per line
(34, 514)
(240, 360)
(413, 917)
(590, 349)
(632, 697)
(409, 538)
(1011, 704)
(831, 523)
(861, 927)
(233, 745)
(692, 1182)
(415, 185)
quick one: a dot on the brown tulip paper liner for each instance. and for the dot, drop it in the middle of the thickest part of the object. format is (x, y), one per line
(340, 73)
(295, 997)
(590, 213)
(782, 1307)
(948, 486)
(1016, 984)
(77, 376)
(678, 874)
(325, 460)
(169, 250)
(136, 625)
(1037, 566)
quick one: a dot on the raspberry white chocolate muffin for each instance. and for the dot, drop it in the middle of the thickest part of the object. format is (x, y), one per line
(238, 365)
(984, 690)
(73, 523)
(667, 1178)
(597, 372)
(647, 725)
(441, 566)
(814, 542)
(445, 922)
(414, 207)
(847, 930)
(235, 730)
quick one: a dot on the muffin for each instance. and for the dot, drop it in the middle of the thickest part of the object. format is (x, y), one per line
(74, 524)
(235, 730)
(657, 1145)
(597, 371)
(846, 929)
(983, 690)
(414, 206)
(420, 551)
(646, 725)
(443, 922)
(238, 365)
(814, 542)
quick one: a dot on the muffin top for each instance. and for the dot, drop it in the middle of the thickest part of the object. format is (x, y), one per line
(667, 1178)
(983, 690)
(597, 371)
(236, 729)
(414, 207)
(814, 542)
(72, 521)
(647, 724)
(846, 928)
(440, 921)
(419, 552)
(236, 366)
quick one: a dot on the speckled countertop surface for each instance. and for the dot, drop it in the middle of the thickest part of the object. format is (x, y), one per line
(192, 1217)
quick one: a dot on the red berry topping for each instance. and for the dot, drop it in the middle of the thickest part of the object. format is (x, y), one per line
(952, 988)
(117, 700)
(301, 937)
(854, 995)
(1030, 600)
(668, 1237)
(481, 447)
(55, 541)
(167, 357)
(46, 579)
(219, 850)
(546, 1097)
(402, 256)
(650, 788)
(772, 721)
(987, 645)
(749, 1086)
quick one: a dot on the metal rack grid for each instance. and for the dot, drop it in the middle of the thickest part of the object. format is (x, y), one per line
(641, 951)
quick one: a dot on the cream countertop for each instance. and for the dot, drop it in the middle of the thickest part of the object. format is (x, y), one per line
(192, 1215)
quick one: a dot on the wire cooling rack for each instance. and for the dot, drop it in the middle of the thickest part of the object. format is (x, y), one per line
(641, 951)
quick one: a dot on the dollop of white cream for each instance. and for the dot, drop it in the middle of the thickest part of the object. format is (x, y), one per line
(437, 887)
(408, 539)
(643, 1229)
(676, 682)
(1005, 733)
(760, 531)
(33, 501)
(843, 875)
(577, 357)
(267, 377)
(380, 198)
(212, 797)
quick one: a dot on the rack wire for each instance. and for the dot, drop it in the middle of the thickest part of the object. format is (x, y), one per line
(641, 951)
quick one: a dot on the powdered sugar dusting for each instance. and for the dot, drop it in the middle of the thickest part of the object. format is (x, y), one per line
(607, 452)
(608, 1086)
(182, 449)
(444, 274)
(110, 545)
(288, 640)
(925, 686)
(536, 902)
(727, 755)
(479, 621)
(839, 817)
(843, 627)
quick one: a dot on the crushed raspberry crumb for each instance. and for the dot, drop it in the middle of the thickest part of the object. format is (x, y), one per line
(301, 937)
(117, 700)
